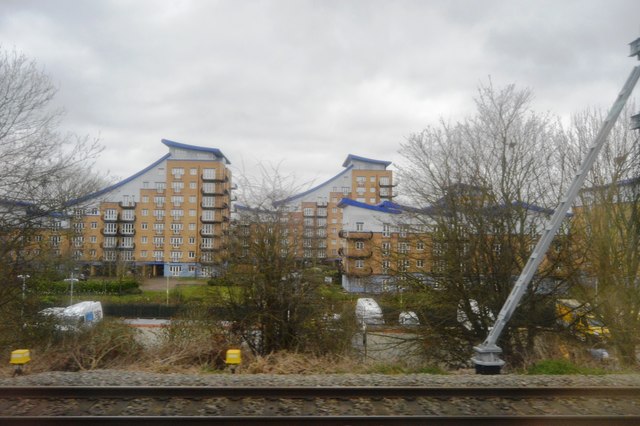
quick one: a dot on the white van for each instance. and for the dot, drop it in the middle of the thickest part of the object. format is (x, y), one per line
(368, 312)
(74, 317)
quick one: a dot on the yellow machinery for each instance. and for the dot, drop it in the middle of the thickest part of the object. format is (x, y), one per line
(233, 359)
(19, 358)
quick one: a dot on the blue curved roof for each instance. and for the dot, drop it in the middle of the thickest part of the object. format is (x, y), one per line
(383, 207)
(214, 151)
(119, 184)
(352, 157)
(305, 193)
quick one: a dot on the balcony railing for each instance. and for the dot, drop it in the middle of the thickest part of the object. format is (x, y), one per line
(352, 271)
(356, 235)
(355, 253)
(127, 204)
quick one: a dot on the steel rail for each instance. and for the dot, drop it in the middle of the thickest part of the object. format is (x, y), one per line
(121, 392)
(552, 420)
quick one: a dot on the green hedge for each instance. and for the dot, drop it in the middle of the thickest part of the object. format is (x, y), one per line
(102, 287)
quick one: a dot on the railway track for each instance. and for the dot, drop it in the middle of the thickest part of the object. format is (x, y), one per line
(54, 405)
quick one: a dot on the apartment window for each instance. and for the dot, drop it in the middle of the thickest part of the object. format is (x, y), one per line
(359, 226)
(94, 225)
(177, 172)
(384, 180)
(420, 246)
(92, 253)
(110, 256)
(176, 241)
(193, 171)
(359, 263)
(177, 213)
(386, 230)
(420, 263)
(145, 212)
(110, 228)
(208, 201)
(145, 185)
(207, 229)
(385, 266)
(158, 241)
(192, 255)
(110, 214)
(128, 215)
(192, 240)
(193, 185)
(177, 200)
(159, 200)
(175, 255)
(109, 242)
(78, 241)
(145, 198)
(160, 186)
(193, 199)
(321, 232)
(308, 211)
(175, 269)
(207, 215)
(346, 190)
(208, 187)
(127, 242)
(384, 192)
(177, 186)
(192, 226)
(158, 254)
(158, 227)
(403, 248)
(208, 173)
(359, 245)
(144, 240)
(93, 239)
(158, 214)
(127, 228)
(192, 213)
(207, 243)
(143, 253)
(308, 221)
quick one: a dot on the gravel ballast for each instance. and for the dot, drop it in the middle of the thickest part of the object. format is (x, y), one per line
(138, 378)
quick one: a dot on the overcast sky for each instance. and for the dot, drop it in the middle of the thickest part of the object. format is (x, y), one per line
(305, 83)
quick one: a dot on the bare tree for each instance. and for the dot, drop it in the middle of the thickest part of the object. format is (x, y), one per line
(483, 186)
(41, 170)
(274, 298)
(608, 226)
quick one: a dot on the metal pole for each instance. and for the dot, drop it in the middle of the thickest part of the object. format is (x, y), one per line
(487, 359)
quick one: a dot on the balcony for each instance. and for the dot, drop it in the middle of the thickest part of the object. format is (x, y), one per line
(207, 233)
(108, 246)
(356, 235)
(127, 204)
(128, 232)
(210, 219)
(352, 271)
(109, 231)
(218, 177)
(387, 185)
(127, 218)
(355, 254)
(216, 190)
(110, 217)
(127, 247)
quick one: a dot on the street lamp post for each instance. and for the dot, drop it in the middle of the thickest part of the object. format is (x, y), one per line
(24, 279)
(71, 280)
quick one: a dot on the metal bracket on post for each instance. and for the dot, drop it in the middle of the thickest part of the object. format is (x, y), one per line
(486, 359)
